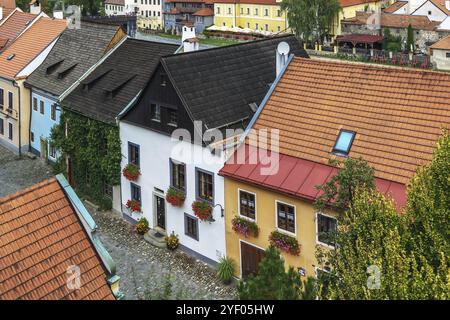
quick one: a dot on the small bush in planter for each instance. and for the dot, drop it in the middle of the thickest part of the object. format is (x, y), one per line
(284, 242)
(142, 226)
(172, 241)
(245, 227)
(202, 209)
(131, 172)
(226, 269)
(133, 205)
(175, 197)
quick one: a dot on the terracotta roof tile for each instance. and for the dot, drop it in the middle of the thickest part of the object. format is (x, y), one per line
(40, 237)
(349, 3)
(205, 12)
(29, 45)
(397, 113)
(9, 4)
(395, 6)
(14, 25)
(442, 44)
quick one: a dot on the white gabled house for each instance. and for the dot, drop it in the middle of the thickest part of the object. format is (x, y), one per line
(189, 96)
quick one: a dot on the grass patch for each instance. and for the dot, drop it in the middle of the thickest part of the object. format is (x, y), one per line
(207, 41)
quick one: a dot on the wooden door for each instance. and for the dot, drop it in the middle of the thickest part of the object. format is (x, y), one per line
(160, 212)
(251, 256)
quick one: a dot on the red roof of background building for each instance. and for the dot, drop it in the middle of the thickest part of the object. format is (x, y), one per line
(360, 38)
(296, 177)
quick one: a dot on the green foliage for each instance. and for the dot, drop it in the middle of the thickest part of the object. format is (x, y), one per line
(391, 42)
(353, 174)
(406, 256)
(94, 150)
(410, 39)
(311, 19)
(226, 269)
(141, 226)
(272, 281)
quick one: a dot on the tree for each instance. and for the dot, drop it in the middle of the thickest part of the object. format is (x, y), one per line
(410, 38)
(338, 193)
(311, 19)
(273, 283)
(382, 254)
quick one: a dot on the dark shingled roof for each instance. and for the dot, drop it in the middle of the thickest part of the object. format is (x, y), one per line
(115, 82)
(217, 85)
(76, 48)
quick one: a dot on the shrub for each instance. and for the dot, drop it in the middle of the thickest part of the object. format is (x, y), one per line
(142, 226)
(175, 197)
(226, 269)
(131, 172)
(245, 227)
(172, 241)
(202, 209)
(284, 242)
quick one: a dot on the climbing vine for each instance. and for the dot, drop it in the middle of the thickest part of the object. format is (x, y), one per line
(94, 150)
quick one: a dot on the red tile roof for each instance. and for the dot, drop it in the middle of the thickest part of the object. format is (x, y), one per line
(443, 44)
(397, 113)
(395, 6)
(205, 12)
(360, 38)
(40, 237)
(349, 3)
(16, 23)
(9, 4)
(263, 2)
(295, 176)
(29, 45)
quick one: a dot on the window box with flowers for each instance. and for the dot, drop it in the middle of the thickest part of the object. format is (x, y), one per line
(175, 197)
(245, 227)
(131, 172)
(203, 210)
(284, 242)
(134, 206)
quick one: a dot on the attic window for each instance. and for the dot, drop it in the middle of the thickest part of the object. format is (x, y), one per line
(344, 142)
(10, 57)
(253, 106)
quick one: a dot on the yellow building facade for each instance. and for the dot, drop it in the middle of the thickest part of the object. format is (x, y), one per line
(256, 15)
(266, 204)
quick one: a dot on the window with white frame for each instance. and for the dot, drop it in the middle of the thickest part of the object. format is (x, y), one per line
(286, 217)
(326, 229)
(247, 204)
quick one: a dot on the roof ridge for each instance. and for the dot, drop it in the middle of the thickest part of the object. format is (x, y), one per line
(27, 190)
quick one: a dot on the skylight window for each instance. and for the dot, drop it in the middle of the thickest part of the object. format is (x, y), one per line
(11, 57)
(344, 142)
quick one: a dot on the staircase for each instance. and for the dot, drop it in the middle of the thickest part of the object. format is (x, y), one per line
(156, 238)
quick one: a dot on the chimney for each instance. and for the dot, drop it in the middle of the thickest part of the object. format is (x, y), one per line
(58, 14)
(189, 40)
(447, 4)
(1, 13)
(282, 53)
(35, 7)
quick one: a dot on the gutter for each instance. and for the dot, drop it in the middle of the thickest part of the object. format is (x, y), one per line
(264, 102)
(91, 229)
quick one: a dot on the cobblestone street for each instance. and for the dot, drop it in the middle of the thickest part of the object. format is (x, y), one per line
(142, 266)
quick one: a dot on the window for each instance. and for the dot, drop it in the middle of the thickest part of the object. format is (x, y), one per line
(256, 26)
(266, 12)
(52, 151)
(286, 217)
(35, 104)
(32, 136)
(229, 10)
(107, 190)
(429, 13)
(10, 131)
(326, 228)
(218, 10)
(279, 28)
(163, 80)
(205, 186)
(248, 25)
(344, 142)
(133, 154)
(447, 55)
(41, 106)
(135, 192)
(173, 117)
(2, 101)
(278, 13)
(155, 111)
(267, 27)
(242, 10)
(191, 226)
(10, 100)
(247, 204)
(248, 11)
(256, 11)
(178, 175)
(53, 114)
(2, 128)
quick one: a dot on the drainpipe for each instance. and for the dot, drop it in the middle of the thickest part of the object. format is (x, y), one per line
(15, 84)
(31, 114)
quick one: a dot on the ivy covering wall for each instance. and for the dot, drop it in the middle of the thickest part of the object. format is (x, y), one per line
(94, 150)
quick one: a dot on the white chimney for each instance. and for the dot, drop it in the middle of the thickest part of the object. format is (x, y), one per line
(35, 7)
(447, 4)
(1, 13)
(58, 14)
(189, 40)
(282, 53)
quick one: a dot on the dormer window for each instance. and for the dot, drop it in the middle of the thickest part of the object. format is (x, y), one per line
(344, 142)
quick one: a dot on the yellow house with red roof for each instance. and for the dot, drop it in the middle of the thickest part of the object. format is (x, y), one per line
(321, 111)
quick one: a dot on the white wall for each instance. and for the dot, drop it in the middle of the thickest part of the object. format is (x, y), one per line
(441, 60)
(155, 152)
(436, 13)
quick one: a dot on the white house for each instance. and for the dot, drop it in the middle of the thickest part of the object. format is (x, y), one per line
(181, 102)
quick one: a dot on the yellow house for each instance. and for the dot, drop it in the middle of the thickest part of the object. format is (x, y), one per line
(19, 59)
(349, 8)
(262, 15)
(318, 111)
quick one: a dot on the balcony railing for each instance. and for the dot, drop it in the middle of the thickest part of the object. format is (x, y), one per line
(9, 112)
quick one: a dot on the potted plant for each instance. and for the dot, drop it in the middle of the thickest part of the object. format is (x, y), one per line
(133, 206)
(202, 209)
(142, 226)
(131, 172)
(226, 269)
(172, 241)
(245, 227)
(284, 242)
(175, 197)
